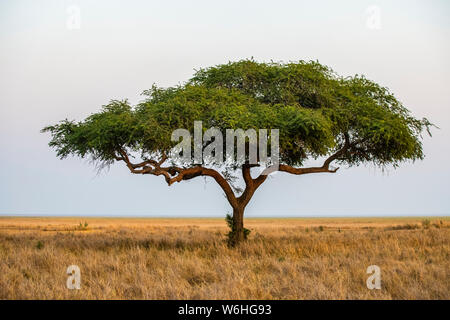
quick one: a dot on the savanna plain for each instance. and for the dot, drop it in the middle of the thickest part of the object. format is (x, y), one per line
(284, 258)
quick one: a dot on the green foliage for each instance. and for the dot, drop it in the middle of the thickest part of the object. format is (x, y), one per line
(231, 234)
(83, 226)
(39, 245)
(313, 108)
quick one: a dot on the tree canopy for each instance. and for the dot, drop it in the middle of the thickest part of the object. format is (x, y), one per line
(315, 110)
(349, 120)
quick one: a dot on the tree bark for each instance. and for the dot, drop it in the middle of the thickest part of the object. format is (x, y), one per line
(238, 225)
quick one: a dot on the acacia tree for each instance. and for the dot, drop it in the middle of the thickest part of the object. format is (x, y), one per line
(319, 114)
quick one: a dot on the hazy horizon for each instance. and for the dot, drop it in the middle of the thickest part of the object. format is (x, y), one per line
(218, 216)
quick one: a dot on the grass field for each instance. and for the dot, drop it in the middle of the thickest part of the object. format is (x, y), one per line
(310, 258)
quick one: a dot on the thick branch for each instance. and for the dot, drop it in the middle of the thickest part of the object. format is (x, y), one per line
(324, 168)
(250, 184)
(176, 174)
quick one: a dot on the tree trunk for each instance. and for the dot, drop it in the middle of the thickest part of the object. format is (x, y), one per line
(238, 225)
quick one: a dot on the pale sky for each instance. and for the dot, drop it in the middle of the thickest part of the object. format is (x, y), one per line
(51, 70)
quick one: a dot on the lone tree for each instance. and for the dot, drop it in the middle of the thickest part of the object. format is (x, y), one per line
(319, 114)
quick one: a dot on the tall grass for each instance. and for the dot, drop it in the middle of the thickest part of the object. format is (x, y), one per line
(295, 260)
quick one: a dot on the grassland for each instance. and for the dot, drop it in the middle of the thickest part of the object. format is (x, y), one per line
(317, 258)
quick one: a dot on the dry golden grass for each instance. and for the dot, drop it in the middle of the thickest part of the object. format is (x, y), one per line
(318, 258)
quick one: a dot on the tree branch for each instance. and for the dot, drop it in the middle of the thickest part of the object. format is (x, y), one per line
(324, 168)
(174, 174)
(250, 184)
